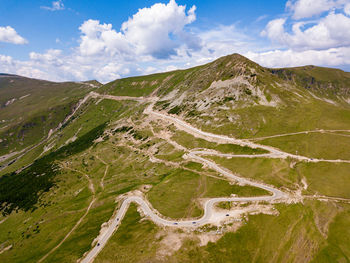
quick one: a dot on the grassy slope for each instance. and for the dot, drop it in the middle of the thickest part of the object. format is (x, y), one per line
(176, 195)
(337, 248)
(300, 230)
(331, 179)
(272, 171)
(297, 236)
(191, 142)
(316, 145)
(141, 234)
(29, 118)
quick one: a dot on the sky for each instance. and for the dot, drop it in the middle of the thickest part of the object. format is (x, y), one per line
(76, 40)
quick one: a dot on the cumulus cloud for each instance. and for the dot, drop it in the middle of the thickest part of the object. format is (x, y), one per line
(9, 35)
(347, 9)
(330, 31)
(305, 40)
(100, 39)
(157, 31)
(154, 39)
(165, 27)
(162, 38)
(308, 8)
(290, 58)
(147, 42)
(55, 6)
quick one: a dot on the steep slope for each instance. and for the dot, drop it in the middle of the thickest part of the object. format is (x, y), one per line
(237, 97)
(29, 108)
(215, 158)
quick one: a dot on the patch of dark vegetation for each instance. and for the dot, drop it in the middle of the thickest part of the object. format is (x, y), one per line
(138, 135)
(126, 189)
(247, 91)
(122, 129)
(228, 76)
(237, 149)
(193, 113)
(175, 110)
(227, 99)
(163, 104)
(161, 178)
(22, 191)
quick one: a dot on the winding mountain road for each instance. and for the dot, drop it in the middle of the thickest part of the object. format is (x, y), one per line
(209, 211)
(209, 204)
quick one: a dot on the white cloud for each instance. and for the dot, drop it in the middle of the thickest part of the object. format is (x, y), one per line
(9, 35)
(111, 71)
(100, 39)
(52, 56)
(330, 31)
(162, 38)
(308, 8)
(347, 9)
(221, 41)
(164, 24)
(55, 6)
(262, 17)
(157, 31)
(322, 41)
(154, 39)
(290, 58)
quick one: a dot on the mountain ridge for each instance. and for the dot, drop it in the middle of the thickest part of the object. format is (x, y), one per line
(214, 157)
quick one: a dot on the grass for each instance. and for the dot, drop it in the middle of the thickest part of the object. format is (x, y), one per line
(135, 240)
(277, 172)
(176, 195)
(44, 227)
(331, 179)
(23, 190)
(80, 240)
(87, 118)
(301, 232)
(191, 142)
(31, 130)
(292, 115)
(67, 201)
(174, 156)
(30, 118)
(295, 238)
(337, 248)
(316, 145)
(91, 116)
(222, 188)
(135, 86)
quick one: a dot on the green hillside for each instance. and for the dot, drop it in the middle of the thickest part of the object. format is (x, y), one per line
(271, 143)
(29, 108)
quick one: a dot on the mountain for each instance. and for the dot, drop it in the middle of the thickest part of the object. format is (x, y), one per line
(224, 162)
(30, 108)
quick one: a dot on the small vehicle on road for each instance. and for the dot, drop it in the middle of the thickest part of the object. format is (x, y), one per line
(227, 215)
(193, 222)
(98, 244)
(175, 223)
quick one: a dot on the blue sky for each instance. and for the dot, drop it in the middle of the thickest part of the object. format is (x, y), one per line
(79, 40)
